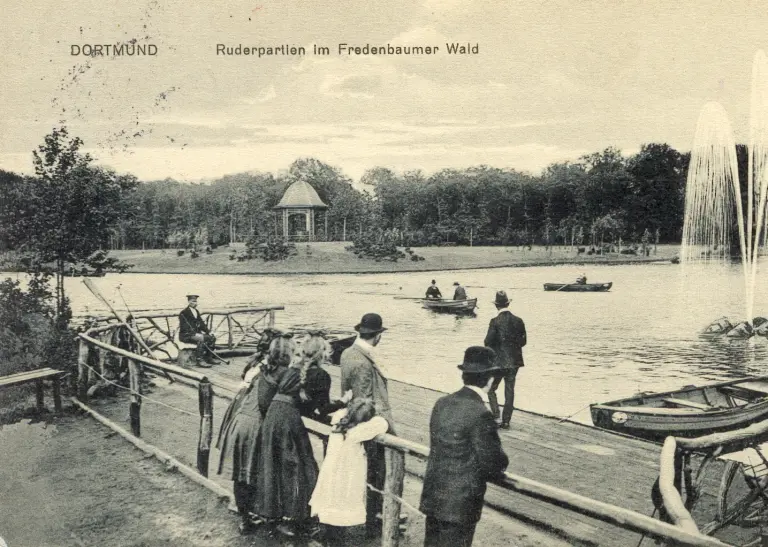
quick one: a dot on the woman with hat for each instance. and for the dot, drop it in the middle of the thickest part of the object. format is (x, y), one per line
(465, 453)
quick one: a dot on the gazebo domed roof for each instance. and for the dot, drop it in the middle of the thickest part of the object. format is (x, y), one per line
(300, 194)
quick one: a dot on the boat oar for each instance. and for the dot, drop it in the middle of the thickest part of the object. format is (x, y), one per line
(97, 293)
(564, 286)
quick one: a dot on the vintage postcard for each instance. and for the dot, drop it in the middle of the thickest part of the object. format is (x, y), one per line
(436, 272)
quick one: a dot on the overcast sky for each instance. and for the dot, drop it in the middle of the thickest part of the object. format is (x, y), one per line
(552, 81)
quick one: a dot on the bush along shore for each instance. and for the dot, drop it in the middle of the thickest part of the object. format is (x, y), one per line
(334, 257)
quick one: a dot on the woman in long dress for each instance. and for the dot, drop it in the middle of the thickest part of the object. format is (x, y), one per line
(286, 466)
(239, 439)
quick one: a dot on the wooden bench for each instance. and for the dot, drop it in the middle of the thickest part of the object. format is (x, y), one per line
(691, 404)
(37, 376)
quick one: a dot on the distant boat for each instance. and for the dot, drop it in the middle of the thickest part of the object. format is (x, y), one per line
(688, 412)
(450, 306)
(578, 287)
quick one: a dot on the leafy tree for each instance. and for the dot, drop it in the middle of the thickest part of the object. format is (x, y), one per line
(67, 209)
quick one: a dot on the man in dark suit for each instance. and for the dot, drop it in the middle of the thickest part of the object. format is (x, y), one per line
(465, 452)
(193, 330)
(459, 293)
(360, 374)
(433, 291)
(506, 336)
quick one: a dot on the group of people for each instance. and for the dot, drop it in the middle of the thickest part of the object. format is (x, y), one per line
(277, 481)
(433, 293)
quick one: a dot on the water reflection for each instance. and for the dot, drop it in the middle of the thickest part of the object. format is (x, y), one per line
(643, 335)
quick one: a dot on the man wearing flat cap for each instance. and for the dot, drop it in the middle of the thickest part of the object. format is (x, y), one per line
(360, 374)
(459, 292)
(464, 453)
(506, 336)
(193, 330)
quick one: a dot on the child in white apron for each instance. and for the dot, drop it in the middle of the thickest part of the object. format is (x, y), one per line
(340, 494)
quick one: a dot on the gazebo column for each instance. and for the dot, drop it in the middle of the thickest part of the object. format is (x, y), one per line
(325, 216)
(285, 224)
(312, 224)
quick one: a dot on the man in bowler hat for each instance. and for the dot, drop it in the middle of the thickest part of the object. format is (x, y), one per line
(465, 452)
(360, 374)
(506, 336)
(193, 330)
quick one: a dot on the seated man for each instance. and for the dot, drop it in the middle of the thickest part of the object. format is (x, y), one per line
(581, 280)
(459, 293)
(193, 330)
(433, 291)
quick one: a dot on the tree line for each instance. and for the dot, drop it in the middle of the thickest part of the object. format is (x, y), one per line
(602, 197)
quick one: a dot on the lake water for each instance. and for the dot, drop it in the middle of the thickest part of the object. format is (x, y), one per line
(582, 348)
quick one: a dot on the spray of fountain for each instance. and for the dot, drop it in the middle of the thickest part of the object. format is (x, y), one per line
(713, 190)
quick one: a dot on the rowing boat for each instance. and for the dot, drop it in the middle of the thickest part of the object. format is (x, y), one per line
(688, 412)
(578, 287)
(450, 306)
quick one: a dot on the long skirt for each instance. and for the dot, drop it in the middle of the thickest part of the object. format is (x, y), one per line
(286, 466)
(239, 446)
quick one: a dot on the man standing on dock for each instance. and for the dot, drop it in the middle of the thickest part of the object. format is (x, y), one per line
(360, 374)
(464, 453)
(506, 336)
(193, 330)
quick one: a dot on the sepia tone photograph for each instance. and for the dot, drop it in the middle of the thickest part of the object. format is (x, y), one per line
(427, 273)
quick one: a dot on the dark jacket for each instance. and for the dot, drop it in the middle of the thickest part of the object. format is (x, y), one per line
(460, 293)
(433, 292)
(465, 452)
(506, 336)
(189, 324)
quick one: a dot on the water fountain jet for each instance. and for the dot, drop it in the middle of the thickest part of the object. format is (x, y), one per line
(714, 192)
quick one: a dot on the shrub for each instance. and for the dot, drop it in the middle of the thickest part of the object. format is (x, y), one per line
(193, 254)
(30, 338)
(180, 252)
(367, 246)
(269, 248)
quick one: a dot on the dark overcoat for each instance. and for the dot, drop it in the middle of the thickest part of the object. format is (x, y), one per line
(190, 324)
(465, 452)
(506, 336)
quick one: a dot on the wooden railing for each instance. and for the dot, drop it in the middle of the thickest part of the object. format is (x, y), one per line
(396, 451)
(676, 472)
(135, 364)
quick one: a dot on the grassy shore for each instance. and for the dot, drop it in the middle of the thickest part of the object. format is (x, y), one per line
(315, 258)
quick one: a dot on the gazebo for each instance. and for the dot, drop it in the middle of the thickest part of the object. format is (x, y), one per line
(299, 210)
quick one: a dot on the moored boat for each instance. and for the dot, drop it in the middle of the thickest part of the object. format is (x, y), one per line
(688, 412)
(450, 306)
(578, 287)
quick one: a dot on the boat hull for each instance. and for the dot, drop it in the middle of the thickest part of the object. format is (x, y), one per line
(686, 413)
(576, 287)
(451, 306)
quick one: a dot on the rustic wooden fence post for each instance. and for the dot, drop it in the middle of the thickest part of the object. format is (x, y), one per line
(271, 323)
(205, 393)
(134, 376)
(229, 331)
(393, 486)
(82, 370)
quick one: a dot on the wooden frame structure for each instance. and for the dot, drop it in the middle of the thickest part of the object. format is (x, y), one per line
(680, 488)
(396, 451)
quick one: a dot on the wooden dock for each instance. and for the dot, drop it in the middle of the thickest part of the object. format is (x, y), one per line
(594, 463)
